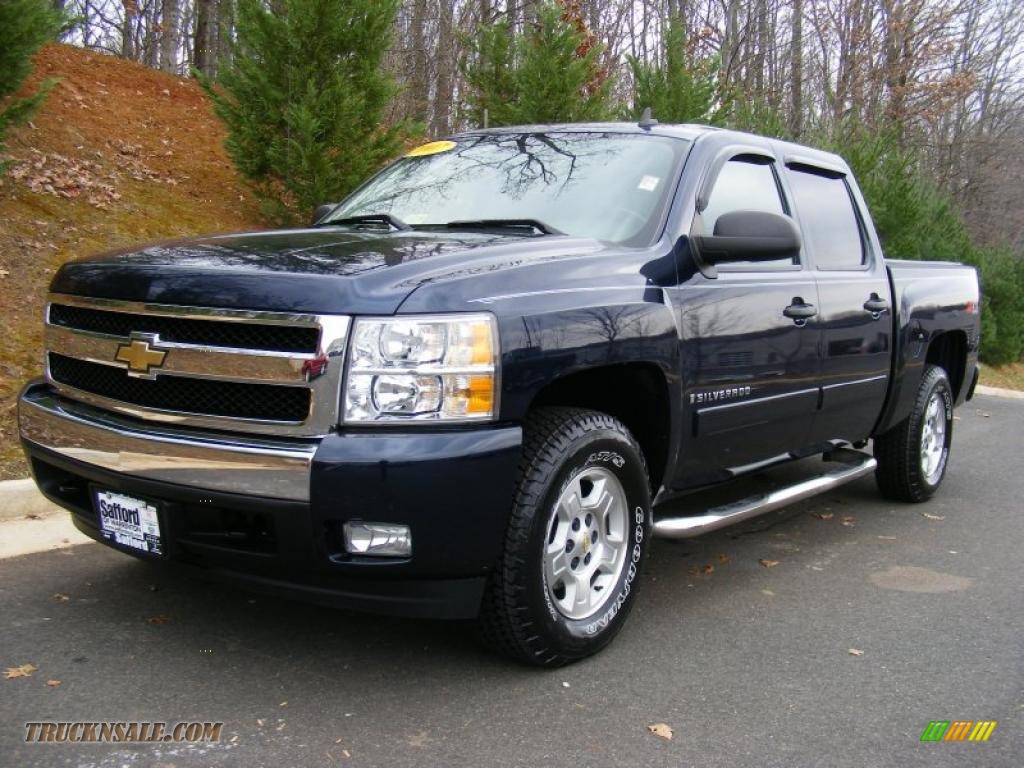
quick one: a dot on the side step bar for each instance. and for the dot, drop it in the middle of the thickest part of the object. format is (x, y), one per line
(855, 465)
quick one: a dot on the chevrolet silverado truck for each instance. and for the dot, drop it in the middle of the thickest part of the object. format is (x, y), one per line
(469, 389)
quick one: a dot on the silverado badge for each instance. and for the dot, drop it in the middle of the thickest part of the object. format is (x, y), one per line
(719, 394)
(139, 355)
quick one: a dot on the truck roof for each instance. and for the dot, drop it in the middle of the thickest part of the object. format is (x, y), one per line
(688, 131)
(679, 131)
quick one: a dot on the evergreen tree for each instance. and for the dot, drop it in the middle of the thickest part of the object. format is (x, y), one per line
(24, 26)
(304, 97)
(549, 73)
(916, 221)
(682, 87)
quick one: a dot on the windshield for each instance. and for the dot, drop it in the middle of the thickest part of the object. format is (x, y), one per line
(606, 186)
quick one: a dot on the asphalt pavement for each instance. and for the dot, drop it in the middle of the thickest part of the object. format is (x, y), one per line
(828, 634)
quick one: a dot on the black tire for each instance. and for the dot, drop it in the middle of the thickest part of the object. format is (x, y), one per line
(900, 474)
(519, 618)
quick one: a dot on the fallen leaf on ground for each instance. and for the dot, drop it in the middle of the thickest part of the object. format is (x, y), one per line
(823, 515)
(60, 597)
(708, 569)
(768, 563)
(856, 652)
(661, 730)
(847, 518)
(33, 516)
(933, 517)
(160, 618)
(53, 683)
(723, 558)
(25, 670)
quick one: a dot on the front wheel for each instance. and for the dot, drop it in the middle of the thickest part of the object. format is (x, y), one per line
(576, 539)
(913, 455)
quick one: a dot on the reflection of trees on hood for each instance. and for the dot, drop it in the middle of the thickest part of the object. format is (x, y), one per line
(342, 255)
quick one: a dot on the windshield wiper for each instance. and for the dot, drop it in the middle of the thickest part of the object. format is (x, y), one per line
(534, 224)
(368, 218)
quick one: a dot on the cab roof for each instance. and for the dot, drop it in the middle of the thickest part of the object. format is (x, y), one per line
(678, 131)
(687, 131)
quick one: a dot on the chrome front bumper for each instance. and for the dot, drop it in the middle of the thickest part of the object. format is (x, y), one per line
(263, 467)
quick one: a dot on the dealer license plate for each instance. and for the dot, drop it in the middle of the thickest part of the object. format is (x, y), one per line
(128, 522)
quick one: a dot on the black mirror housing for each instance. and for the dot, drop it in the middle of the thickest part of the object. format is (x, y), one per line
(321, 211)
(749, 236)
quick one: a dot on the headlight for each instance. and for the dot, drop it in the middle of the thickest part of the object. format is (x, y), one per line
(435, 368)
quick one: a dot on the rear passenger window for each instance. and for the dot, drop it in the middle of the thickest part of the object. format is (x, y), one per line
(744, 185)
(831, 229)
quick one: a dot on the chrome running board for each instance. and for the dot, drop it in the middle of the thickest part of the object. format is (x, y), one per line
(855, 465)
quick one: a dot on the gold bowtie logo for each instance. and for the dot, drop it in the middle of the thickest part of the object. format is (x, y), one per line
(139, 356)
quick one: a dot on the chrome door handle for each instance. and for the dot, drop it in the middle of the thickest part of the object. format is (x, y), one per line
(799, 311)
(876, 305)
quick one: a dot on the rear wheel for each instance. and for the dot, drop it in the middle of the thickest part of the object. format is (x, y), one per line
(576, 538)
(913, 455)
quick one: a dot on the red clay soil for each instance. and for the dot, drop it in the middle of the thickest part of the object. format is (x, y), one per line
(118, 154)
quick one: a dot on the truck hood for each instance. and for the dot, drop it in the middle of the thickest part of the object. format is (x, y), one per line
(308, 270)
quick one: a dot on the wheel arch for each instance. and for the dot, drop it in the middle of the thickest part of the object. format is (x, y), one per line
(635, 393)
(948, 350)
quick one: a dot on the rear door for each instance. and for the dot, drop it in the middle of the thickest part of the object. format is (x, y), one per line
(855, 316)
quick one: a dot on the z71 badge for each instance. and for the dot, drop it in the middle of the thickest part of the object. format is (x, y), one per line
(719, 394)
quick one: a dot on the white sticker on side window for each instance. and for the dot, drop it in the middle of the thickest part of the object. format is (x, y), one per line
(648, 183)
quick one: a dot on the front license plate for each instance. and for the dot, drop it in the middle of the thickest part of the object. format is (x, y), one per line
(129, 522)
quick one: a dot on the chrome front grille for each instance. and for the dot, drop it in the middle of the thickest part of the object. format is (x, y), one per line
(238, 400)
(269, 372)
(187, 330)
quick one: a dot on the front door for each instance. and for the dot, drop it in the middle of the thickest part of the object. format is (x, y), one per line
(749, 356)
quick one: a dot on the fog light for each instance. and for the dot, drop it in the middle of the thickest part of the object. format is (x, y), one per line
(384, 539)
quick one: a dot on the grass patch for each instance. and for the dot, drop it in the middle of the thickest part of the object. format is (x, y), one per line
(119, 155)
(1009, 376)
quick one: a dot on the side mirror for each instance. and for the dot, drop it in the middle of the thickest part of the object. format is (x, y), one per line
(749, 236)
(321, 211)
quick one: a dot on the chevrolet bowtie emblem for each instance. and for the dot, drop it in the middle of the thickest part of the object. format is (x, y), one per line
(140, 356)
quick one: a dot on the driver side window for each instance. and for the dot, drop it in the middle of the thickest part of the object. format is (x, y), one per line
(745, 184)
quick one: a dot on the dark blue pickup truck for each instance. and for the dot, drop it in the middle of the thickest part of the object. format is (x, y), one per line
(466, 390)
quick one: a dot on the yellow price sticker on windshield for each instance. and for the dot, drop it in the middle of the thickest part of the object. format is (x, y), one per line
(433, 148)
